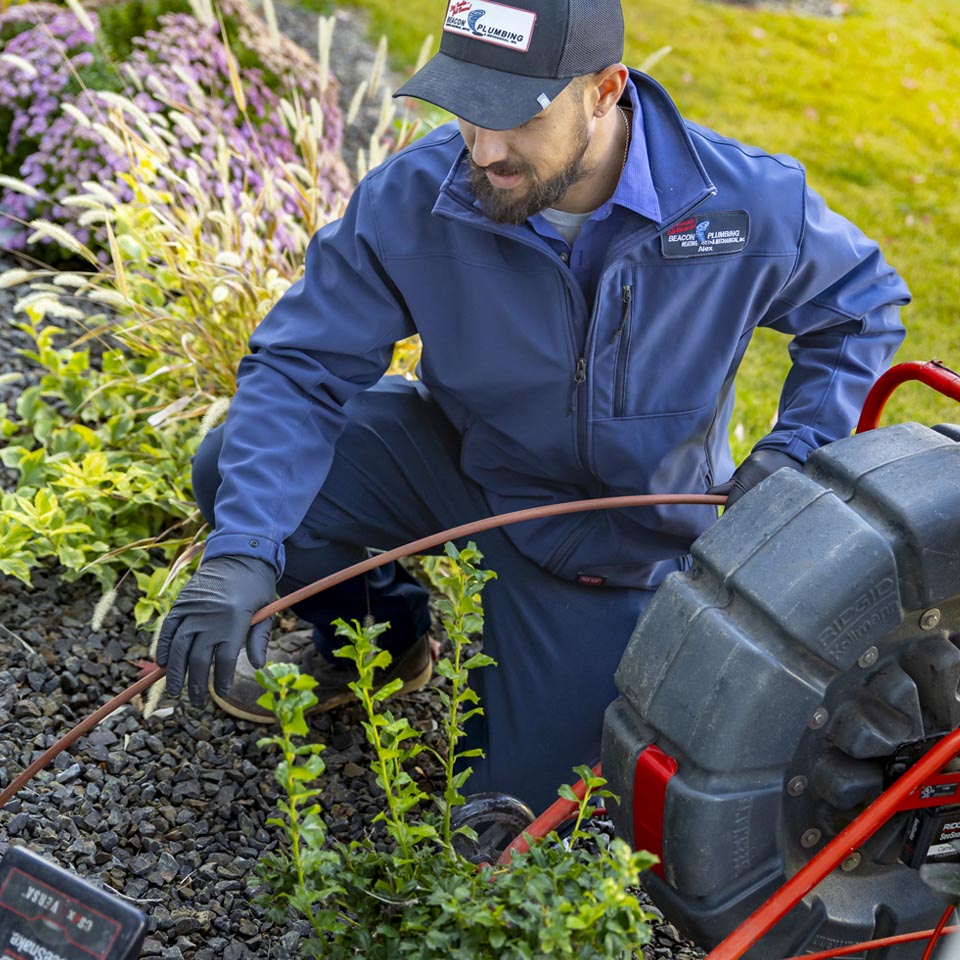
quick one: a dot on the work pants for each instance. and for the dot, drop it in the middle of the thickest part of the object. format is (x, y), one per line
(395, 478)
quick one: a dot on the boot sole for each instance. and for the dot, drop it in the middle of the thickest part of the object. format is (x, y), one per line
(415, 683)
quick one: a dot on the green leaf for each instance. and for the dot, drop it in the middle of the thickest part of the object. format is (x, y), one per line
(388, 690)
(297, 726)
(587, 775)
(15, 567)
(143, 611)
(30, 463)
(479, 660)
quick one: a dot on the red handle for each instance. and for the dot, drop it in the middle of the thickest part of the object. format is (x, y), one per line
(933, 373)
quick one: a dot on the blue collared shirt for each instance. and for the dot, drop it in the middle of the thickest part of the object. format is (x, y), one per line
(634, 197)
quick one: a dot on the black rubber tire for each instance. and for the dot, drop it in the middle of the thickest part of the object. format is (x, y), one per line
(815, 636)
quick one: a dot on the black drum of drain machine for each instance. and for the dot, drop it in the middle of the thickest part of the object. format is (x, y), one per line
(809, 656)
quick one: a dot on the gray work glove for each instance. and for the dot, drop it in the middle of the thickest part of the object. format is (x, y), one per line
(210, 621)
(759, 465)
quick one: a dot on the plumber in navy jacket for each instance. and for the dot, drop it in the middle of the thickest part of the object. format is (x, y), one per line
(585, 269)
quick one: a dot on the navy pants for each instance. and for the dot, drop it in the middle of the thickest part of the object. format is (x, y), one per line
(395, 478)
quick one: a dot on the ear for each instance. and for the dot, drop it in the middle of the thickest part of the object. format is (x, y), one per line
(607, 88)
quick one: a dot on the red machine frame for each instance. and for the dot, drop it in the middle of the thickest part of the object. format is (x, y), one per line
(909, 792)
(654, 767)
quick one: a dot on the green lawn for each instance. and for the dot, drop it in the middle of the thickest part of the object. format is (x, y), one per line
(868, 102)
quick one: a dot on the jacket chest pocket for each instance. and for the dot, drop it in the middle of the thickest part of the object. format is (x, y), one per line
(670, 349)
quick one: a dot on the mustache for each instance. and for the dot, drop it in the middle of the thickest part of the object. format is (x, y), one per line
(502, 168)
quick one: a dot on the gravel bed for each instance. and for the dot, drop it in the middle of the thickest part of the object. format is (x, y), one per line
(167, 812)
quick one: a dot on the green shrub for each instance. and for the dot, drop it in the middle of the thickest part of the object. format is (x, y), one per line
(192, 267)
(103, 485)
(414, 896)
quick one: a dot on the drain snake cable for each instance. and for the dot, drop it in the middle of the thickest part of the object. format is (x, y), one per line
(151, 672)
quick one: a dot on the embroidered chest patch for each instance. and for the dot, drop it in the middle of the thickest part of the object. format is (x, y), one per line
(707, 235)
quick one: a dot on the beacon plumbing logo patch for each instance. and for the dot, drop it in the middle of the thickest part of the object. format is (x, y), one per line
(707, 235)
(495, 23)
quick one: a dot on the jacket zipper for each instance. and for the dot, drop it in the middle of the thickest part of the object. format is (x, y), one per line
(622, 339)
(626, 299)
(577, 404)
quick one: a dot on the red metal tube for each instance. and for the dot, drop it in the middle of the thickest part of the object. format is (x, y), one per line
(933, 373)
(874, 944)
(935, 936)
(835, 852)
(557, 813)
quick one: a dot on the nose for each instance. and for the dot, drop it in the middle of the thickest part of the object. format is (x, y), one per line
(488, 147)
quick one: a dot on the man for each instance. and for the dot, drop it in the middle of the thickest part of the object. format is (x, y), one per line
(585, 269)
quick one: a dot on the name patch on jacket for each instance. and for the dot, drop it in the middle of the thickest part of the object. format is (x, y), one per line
(707, 235)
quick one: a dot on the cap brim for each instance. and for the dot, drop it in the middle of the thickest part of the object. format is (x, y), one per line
(488, 98)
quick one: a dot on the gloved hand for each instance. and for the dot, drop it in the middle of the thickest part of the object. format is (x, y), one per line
(759, 465)
(210, 620)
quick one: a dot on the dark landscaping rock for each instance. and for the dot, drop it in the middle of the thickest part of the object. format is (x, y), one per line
(168, 812)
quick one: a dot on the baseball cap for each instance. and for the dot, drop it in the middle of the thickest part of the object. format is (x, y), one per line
(500, 64)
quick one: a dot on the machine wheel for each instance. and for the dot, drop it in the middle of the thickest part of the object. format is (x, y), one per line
(495, 818)
(810, 655)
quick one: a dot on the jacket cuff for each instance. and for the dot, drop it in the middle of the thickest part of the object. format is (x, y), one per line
(792, 444)
(245, 545)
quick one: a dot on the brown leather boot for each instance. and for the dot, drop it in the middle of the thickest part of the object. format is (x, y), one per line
(413, 666)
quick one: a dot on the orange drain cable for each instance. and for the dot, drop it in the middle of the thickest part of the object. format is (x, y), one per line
(150, 672)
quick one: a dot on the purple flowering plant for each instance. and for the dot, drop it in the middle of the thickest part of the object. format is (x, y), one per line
(189, 179)
(55, 99)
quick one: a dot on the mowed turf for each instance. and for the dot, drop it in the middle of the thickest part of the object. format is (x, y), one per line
(869, 102)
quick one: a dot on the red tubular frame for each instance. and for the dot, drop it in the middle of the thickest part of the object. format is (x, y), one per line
(904, 794)
(558, 813)
(834, 853)
(933, 373)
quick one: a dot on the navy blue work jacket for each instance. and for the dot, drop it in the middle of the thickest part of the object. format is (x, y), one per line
(557, 400)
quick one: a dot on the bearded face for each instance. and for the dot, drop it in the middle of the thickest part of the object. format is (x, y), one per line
(536, 175)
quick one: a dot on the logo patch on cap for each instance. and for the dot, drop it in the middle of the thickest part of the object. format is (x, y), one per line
(491, 22)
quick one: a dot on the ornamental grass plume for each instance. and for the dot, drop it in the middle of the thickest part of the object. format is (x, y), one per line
(208, 188)
(191, 196)
(195, 189)
(193, 263)
(57, 94)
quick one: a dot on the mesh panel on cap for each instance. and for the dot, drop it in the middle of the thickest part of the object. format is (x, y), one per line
(594, 37)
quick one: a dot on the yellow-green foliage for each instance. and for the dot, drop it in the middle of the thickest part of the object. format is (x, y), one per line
(103, 486)
(868, 102)
(103, 454)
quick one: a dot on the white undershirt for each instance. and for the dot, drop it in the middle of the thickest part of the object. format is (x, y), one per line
(568, 225)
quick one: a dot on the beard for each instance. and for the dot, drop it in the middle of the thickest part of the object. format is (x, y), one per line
(513, 206)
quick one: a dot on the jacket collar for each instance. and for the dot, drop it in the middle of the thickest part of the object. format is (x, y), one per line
(679, 177)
